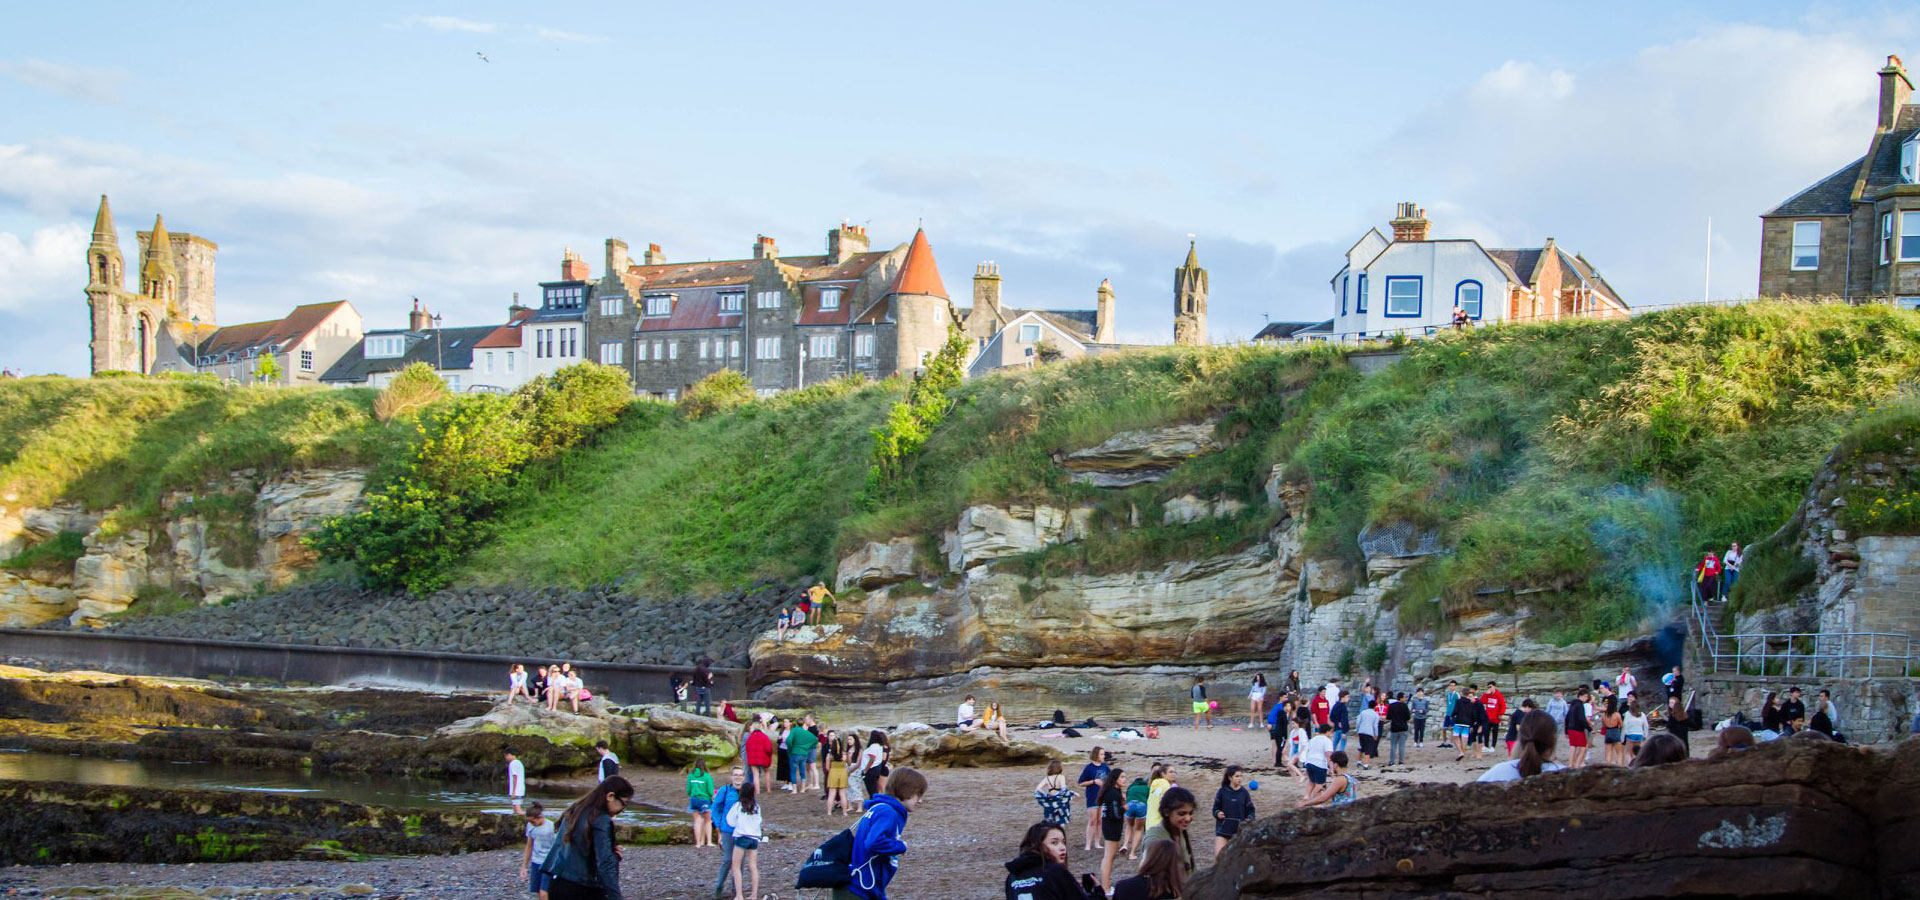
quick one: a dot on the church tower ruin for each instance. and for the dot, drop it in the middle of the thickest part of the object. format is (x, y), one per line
(1190, 302)
(136, 330)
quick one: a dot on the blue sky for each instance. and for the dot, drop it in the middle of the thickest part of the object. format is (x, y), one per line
(366, 152)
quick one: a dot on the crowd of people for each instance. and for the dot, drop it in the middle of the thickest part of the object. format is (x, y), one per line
(548, 686)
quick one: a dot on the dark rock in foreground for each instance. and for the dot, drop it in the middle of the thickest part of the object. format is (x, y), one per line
(1792, 819)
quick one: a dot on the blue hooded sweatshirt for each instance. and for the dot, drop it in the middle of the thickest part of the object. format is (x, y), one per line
(877, 847)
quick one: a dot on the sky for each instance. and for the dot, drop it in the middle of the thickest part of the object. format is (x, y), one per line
(380, 152)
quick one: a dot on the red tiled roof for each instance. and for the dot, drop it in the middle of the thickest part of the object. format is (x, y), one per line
(812, 314)
(507, 335)
(298, 324)
(700, 274)
(919, 274)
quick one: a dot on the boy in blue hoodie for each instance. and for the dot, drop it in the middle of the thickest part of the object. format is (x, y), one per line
(876, 840)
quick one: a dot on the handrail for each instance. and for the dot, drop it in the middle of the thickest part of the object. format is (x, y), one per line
(1803, 654)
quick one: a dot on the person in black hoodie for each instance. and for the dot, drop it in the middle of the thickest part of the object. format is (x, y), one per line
(1040, 871)
(1232, 805)
(584, 863)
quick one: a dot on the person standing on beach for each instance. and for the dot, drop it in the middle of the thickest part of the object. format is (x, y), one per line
(1369, 730)
(1199, 696)
(1137, 794)
(583, 861)
(1496, 706)
(1399, 723)
(1340, 721)
(1256, 700)
(877, 845)
(609, 764)
(723, 801)
(1557, 710)
(1293, 682)
(700, 804)
(748, 831)
(759, 755)
(703, 687)
(873, 763)
(516, 781)
(1420, 706)
(1314, 758)
(1113, 823)
(1092, 776)
(1322, 709)
(1232, 805)
(1579, 728)
(539, 834)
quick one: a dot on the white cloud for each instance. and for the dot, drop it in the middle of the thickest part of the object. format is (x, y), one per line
(50, 263)
(555, 34)
(449, 23)
(89, 85)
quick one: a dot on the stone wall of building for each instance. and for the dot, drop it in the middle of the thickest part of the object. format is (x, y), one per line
(1777, 275)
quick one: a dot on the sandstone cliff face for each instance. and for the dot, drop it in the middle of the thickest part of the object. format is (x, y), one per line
(186, 551)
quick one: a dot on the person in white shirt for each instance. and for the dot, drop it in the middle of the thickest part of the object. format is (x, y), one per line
(575, 686)
(539, 843)
(1332, 691)
(966, 720)
(516, 782)
(744, 819)
(609, 765)
(1730, 569)
(1296, 745)
(1627, 683)
(1538, 738)
(517, 683)
(1314, 758)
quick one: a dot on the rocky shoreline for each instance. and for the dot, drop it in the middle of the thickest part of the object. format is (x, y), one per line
(597, 625)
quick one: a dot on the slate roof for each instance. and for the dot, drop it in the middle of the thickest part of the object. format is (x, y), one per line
(445, 349)
(1592, 275)
(1519, 261)
(1830, 196)
(1280, 331)
(238, 339)
(691, 313)
(1885, 169)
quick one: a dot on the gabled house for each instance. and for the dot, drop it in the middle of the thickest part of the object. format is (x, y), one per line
(304, 345)
(1855, 234)
(1005, 336)
(1411, 284)
(382, 353)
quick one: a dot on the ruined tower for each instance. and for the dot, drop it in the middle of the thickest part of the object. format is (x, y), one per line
(143, 329)
(1190, 302)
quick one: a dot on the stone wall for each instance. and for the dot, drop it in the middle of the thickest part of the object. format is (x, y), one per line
(201, 556)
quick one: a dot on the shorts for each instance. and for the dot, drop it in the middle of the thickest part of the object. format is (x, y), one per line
(1226, 828)
(1462, 730)
(1369, 745)
(699, 804)
(1111, 830)
(1316, 774)
(746, 843)
(1636, 738)
(537, 880)
(1612, 735)
(1576, 739)
(1199, 706)
(1136, 809)
(1256, 695)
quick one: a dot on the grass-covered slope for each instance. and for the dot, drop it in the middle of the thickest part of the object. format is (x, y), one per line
(1588, 459)
(125, 442)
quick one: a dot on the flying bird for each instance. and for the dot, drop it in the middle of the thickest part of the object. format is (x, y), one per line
(483, 56)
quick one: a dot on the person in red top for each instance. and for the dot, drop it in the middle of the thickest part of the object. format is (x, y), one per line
(759, 753)
(1707, 574)
(1496, 706)
(1321, 708)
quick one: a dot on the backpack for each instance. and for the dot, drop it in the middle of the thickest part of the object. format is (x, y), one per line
(830, 865)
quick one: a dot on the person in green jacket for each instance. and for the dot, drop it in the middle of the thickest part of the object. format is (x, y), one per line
(803, 746)
(700, 804)
(1137, 794)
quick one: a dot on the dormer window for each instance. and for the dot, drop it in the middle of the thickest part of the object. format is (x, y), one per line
(830, 298)
(659, 304)
(1910, 160)
(733, 303)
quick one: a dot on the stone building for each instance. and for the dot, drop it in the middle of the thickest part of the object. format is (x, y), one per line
(169, 323)
(1855, 234)
(786, 322)
(1190, 301)
(1004, 336)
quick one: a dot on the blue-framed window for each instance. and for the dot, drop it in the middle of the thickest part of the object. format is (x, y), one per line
(1468, 296)
(1360, 298)
(1343, 294)
(1403, 296)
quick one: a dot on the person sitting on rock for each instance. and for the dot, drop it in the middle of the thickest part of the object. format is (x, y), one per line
(965, 719)
(780, 626)
(995, 721)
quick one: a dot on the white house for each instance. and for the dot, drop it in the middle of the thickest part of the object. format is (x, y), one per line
(459, 355)
(1411, 284)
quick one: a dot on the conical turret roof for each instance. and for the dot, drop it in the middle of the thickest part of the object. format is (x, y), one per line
(1193, 257)
(919, 274)
(103, 232)
(159, 259)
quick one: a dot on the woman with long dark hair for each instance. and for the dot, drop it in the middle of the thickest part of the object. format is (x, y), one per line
(1162, 876)
(583, 862)
(1040, 871)
(1534, 748)
(873, 762)
(1113, 823)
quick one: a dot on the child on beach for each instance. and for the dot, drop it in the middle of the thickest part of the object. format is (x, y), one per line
(700, 804)
(1054, 797)
(1199, 697)
(1232, 804)
(744, 819)
(1157, 787)
(1137, 794)
(1296, 745)
(539, 844)
(836, 776)
(876, 839)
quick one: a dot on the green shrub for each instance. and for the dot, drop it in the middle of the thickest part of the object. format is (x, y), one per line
(412, 389)
(1348, 659)
(408, 538)
(158, 600)
(54, 554)
(564, 408)
(716, 393)
(912, 420)
(1375, 658)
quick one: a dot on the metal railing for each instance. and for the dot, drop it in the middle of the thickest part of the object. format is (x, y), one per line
(1807, 655)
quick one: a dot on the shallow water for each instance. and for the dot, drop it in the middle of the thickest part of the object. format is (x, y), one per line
(418, 793)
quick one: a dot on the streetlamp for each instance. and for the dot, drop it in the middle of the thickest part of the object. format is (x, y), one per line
(439, 348)
(196, 345)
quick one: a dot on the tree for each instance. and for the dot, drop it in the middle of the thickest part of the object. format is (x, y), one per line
(267, 369)
(563, 408)
(415, 388)
(911, 421)
(716, 393)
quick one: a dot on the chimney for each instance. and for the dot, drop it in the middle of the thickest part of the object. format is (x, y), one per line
(419, 319)
(1895, 89)
(845, 241)
(572, 267)
(616, 257)
(514, 308)
(655, 256)
(1103, 314)
(986, 292)
(763, 248)
(1409, 223)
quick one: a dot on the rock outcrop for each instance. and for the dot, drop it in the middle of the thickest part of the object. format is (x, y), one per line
(1138, 457)
(988, 532)
(876, 565)
(184, 550)
(647, 735)
(1792, 819)
(956, 749)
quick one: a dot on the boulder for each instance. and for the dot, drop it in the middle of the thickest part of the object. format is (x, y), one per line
(26, 602)
(679, 738)
(967, 750)
(877, 565)
(1190, 508)
(1790, 819)
(290, 508)
(987, 532)
(560, 727)
(107, 576)
(1138, 457)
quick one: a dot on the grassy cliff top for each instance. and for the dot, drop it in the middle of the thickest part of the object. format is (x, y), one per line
(125, 442)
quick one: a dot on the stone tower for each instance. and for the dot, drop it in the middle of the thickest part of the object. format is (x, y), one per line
(985, 319)
(1190, 302)
(143, 330)
(1103, 309)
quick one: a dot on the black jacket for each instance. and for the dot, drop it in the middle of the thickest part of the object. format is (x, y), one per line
(1398, 715)
(592, 863)
(1792, 710)
(1577, 717)
(1139, 887)
(1237, 804)
(1030, 877)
